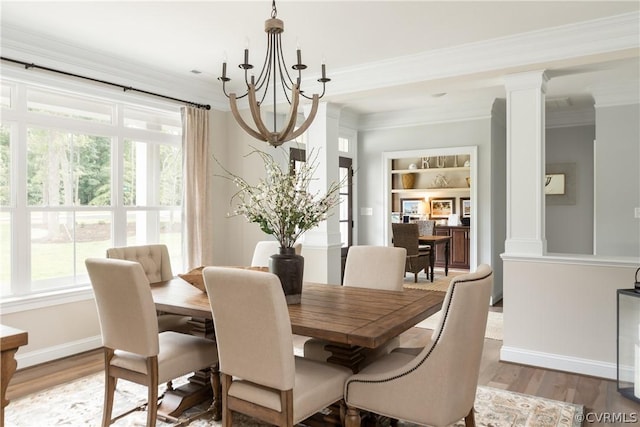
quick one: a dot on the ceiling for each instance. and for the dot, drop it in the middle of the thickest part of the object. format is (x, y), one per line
(176, 37)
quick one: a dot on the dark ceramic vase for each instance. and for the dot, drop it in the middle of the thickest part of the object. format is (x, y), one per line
(289, 267)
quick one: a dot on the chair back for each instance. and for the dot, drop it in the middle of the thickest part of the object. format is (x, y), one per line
(425, 227)
(406, 235)
(378, 267)
(126, 311)
(438, 386)
(265, 248)
(252, 325)
(154, 259)
(456, 347)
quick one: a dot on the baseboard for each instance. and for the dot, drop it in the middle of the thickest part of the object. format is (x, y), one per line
(49, 354)
(558, 362)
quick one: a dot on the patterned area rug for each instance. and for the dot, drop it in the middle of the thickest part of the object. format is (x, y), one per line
(79, 403)
(440, 281)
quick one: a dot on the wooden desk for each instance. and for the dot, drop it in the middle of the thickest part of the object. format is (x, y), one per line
(10, 340)
(432, 241)
(351, 318)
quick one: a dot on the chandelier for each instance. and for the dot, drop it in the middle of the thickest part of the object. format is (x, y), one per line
(273, 77)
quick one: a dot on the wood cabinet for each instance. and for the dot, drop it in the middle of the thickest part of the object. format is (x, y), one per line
(458, 249)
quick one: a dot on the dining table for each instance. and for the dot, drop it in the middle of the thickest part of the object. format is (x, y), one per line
(351, 319)
(432, 242)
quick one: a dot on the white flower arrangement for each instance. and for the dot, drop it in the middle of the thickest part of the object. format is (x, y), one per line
(281, 203)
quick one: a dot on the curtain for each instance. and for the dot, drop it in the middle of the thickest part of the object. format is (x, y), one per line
(198, 221)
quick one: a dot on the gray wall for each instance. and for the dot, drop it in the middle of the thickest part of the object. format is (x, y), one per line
(478, 132)
(498, 213)
(569, 217)
(617, 171)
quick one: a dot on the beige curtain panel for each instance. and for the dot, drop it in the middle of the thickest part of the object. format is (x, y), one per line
(197, 202)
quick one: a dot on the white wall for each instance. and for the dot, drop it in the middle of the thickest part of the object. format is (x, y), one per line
(569, 218)
(560, 312)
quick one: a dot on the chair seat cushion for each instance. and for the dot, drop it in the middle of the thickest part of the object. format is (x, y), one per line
(317, 385)
(179, 354)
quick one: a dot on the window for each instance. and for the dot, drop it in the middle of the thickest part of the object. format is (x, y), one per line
(80, 174)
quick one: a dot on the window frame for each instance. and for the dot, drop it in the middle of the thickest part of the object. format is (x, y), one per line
(19, 119)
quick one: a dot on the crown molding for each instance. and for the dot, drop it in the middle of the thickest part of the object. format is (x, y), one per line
(523, 51)
(570, 118)
(424, 116)
(30, 47)
(616, 94)
(606, 35)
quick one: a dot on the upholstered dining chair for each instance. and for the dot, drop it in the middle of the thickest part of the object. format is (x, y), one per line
(133, 348)
(156, 264)
(265, 248)
(435, 385)
(272, 384)
(425, 226)
(406, 235)
(374, 267)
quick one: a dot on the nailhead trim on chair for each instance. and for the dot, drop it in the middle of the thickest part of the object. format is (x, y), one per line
(346, 395)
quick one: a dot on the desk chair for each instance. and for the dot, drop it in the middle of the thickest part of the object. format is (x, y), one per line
(375, 267)
(435, 385)
(265, 248)
(406, 235)
(156, 264)
(133, 348)
(261, 377)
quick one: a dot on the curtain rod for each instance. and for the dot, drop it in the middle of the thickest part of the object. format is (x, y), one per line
(28, 65)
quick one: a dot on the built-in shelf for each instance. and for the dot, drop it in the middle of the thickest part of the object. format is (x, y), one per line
(422, 190)
(431, 170)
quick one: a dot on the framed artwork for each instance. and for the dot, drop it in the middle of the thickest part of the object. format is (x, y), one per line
(410, 206)
(554, 183)
(396, 217)
(465, 207)
(442, 207)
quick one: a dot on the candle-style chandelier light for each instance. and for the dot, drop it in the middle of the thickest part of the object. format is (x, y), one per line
(273, 77)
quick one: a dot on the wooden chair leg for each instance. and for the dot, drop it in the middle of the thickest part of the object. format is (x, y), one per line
(415, 277)
(227, 415)
(152, 391)
(470, 419)
(216, 387)
(109, 389)
(353, 417)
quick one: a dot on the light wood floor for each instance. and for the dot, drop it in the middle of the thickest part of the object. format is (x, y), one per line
(599, 396)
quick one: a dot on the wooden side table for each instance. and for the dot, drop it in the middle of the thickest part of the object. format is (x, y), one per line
(10, 340)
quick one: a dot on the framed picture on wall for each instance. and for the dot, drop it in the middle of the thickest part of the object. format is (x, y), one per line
(442, 207)
(465, 207)
(410, 206)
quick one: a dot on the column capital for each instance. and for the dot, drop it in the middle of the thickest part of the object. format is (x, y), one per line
(527, 80)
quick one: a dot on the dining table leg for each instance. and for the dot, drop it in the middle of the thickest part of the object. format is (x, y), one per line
(432, 259)
(446, 257)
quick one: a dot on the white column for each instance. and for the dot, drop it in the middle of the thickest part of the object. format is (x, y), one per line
(321, 245)
(525, 163)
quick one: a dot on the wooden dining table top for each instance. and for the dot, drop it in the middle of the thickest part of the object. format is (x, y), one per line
(347, 315)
